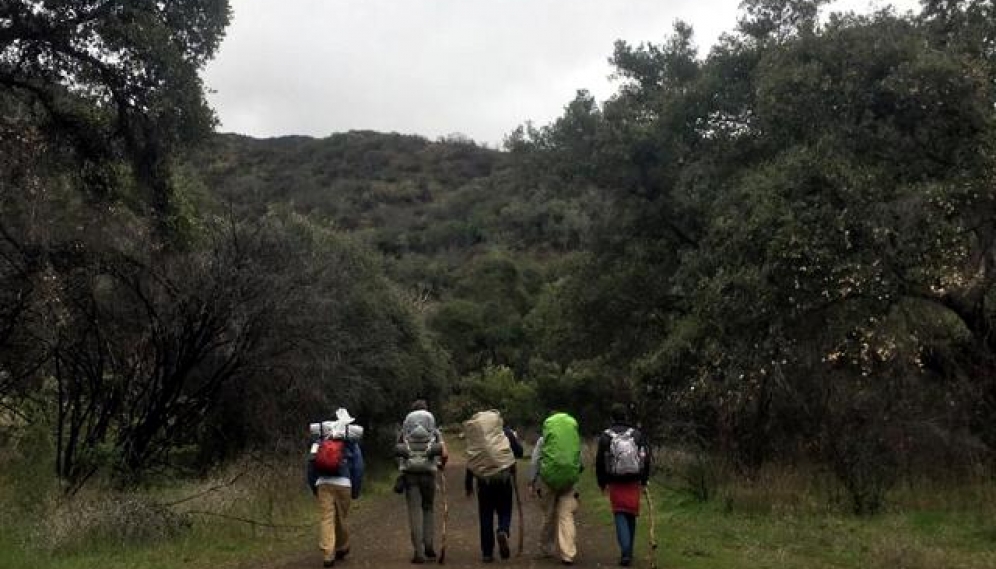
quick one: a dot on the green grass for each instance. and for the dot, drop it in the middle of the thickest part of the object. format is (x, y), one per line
(784, 520)
(278, 498)
(206, 545)
(732, 532)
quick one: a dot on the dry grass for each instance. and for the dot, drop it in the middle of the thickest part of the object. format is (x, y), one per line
(116, 520)
(266, 497)
(906, 552)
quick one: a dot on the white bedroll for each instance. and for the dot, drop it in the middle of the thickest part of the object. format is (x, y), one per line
(488, 449)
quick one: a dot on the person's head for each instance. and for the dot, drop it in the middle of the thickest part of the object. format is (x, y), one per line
(420, 405)
(618, 413)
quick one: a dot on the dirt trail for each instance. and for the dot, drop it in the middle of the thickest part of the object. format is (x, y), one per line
(379, 534)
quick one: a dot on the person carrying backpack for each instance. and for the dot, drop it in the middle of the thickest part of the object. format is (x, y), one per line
(622, 465)
(336, 466)
(556, 468)
(492, 449)
(421, 452)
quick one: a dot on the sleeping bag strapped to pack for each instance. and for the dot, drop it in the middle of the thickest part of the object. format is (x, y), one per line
(560, 455)
(488, 450)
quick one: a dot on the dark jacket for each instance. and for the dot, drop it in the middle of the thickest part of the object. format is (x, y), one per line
(517, 452)
(601, 457)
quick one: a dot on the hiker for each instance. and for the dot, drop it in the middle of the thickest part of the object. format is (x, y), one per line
(336, 466)
(421, 452)
(556, 468)
(622, 465)
(491, 452)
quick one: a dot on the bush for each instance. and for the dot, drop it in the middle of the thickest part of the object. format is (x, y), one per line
(866, 463)
(495, 387)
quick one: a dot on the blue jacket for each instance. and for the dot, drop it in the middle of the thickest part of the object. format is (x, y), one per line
(355, 461)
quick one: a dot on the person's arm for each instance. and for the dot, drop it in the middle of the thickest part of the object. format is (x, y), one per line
(601, 476)
(468, 483)
(513, 441)
(645, 474)
(580, 454)
(444, 451)
(311, 476)
(534, 462)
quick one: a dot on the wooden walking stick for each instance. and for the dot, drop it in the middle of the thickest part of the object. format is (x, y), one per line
(653, 528)
(446, 515)
(518, 505)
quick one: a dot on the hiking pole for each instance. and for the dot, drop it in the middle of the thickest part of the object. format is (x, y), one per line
(446, 514)
(518, 505)
(653, 528)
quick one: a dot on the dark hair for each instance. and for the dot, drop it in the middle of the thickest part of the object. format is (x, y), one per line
(420, 405)
(618, 413)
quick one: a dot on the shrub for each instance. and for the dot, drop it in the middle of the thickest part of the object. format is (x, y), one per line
(495, 387)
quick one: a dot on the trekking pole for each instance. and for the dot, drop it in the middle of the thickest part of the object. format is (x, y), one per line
(653, 528)
(518, 505)
(446, 514)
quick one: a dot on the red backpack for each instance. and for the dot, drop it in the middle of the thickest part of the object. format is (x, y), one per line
(329, 457)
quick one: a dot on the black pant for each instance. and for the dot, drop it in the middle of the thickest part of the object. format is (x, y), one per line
(493, 497)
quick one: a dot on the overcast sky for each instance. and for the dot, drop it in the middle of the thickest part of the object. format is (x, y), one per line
(433, 67)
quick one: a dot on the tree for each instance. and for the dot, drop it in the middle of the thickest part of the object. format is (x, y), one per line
(113, 81)
(800, 229)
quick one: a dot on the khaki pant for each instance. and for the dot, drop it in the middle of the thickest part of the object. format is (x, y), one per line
(333, 509)
(558, 534)
(420, 491)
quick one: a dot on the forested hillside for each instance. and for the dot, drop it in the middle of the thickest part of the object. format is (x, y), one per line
(465, 231)
(786, 243)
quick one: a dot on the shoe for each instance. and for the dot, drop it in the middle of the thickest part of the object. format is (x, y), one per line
(328, 563)
(566, 562)
(341, 554)
(503, 549)
(430, 553)
(488, 559)
(625, 561)
(418, 560)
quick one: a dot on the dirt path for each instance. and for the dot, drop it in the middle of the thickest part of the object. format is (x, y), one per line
(380, 538)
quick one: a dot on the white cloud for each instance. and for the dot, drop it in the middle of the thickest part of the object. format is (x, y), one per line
(431, 67)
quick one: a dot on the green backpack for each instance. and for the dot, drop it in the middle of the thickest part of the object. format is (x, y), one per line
(560, 455)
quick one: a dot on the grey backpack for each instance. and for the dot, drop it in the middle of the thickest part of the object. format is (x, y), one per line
(418, 451)
(625, 457)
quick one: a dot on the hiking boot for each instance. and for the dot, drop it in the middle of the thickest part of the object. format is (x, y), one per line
(503, 549)
(341, 554)
(430, 553)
